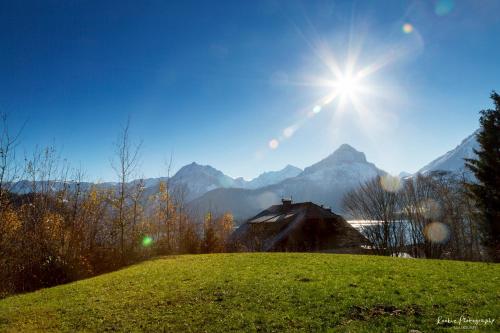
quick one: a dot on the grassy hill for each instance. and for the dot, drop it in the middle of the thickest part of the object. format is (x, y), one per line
(265, 292)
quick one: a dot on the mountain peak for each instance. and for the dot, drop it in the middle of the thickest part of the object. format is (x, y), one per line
(346, 154)
(290, 167)
(194, 167)
(198, 179)
(346, 146)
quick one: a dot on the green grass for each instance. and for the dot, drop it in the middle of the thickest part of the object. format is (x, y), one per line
(265, 292)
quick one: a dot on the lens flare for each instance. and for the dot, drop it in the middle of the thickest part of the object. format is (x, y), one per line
(317, 109)
(430, 209)
(147, 241)
(350, 89)
(390, 183)
(437, 232)
(407, 28)
(273, 144)
(288, 132)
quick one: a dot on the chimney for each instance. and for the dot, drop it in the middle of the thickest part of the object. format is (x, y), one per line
(287, 203)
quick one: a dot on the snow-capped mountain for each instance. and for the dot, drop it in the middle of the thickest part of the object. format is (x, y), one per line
(453, 160)
(191, 181)
(325, 182)
(341, 167)
(272, 177)
(198, 179)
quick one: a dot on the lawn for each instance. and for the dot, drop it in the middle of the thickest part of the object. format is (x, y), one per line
(266, 292)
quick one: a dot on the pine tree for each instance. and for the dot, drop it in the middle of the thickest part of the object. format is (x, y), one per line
(486, 168)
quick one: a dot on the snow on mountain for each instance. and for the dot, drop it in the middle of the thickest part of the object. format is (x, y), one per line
(344, 165)
(199, 179)
(453, 160)
(191, 181)
(325, 182)
(272, 177)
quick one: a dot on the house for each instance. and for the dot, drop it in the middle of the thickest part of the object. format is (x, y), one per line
(301, 226)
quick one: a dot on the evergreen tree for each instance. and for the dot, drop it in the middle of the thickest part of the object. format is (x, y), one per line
(486, 168)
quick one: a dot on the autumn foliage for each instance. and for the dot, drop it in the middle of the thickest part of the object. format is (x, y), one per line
(55, 228)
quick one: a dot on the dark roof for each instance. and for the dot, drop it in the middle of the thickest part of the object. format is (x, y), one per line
(277, 223)
(277, 213)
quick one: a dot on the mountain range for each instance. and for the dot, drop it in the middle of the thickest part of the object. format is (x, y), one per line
(199, 179)
(325, 182)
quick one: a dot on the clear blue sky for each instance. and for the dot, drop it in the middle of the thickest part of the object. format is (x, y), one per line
(216, 81)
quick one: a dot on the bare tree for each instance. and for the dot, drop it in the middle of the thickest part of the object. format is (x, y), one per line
(421, 207)
(379, 206)
(9, 222)
(9, 169)
(137, 209)
(125, 165)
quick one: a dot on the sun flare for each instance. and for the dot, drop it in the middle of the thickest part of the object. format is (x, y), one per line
(346, 86)
(351, 89)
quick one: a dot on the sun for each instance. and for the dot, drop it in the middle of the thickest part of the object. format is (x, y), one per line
(347, 86)
(349, 89)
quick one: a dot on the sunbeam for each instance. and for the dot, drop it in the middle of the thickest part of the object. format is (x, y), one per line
(352, 87)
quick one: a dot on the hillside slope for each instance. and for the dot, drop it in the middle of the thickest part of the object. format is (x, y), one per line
(264, 292)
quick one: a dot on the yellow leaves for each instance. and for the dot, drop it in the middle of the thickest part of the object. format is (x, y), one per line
(227, 224)
(9, 222)
(53, 225)
(217, 231)
(163, 194)
(93, 196)
(208, 218)
(163, 187)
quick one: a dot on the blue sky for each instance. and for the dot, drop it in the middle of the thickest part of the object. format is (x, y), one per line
(216, 81)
